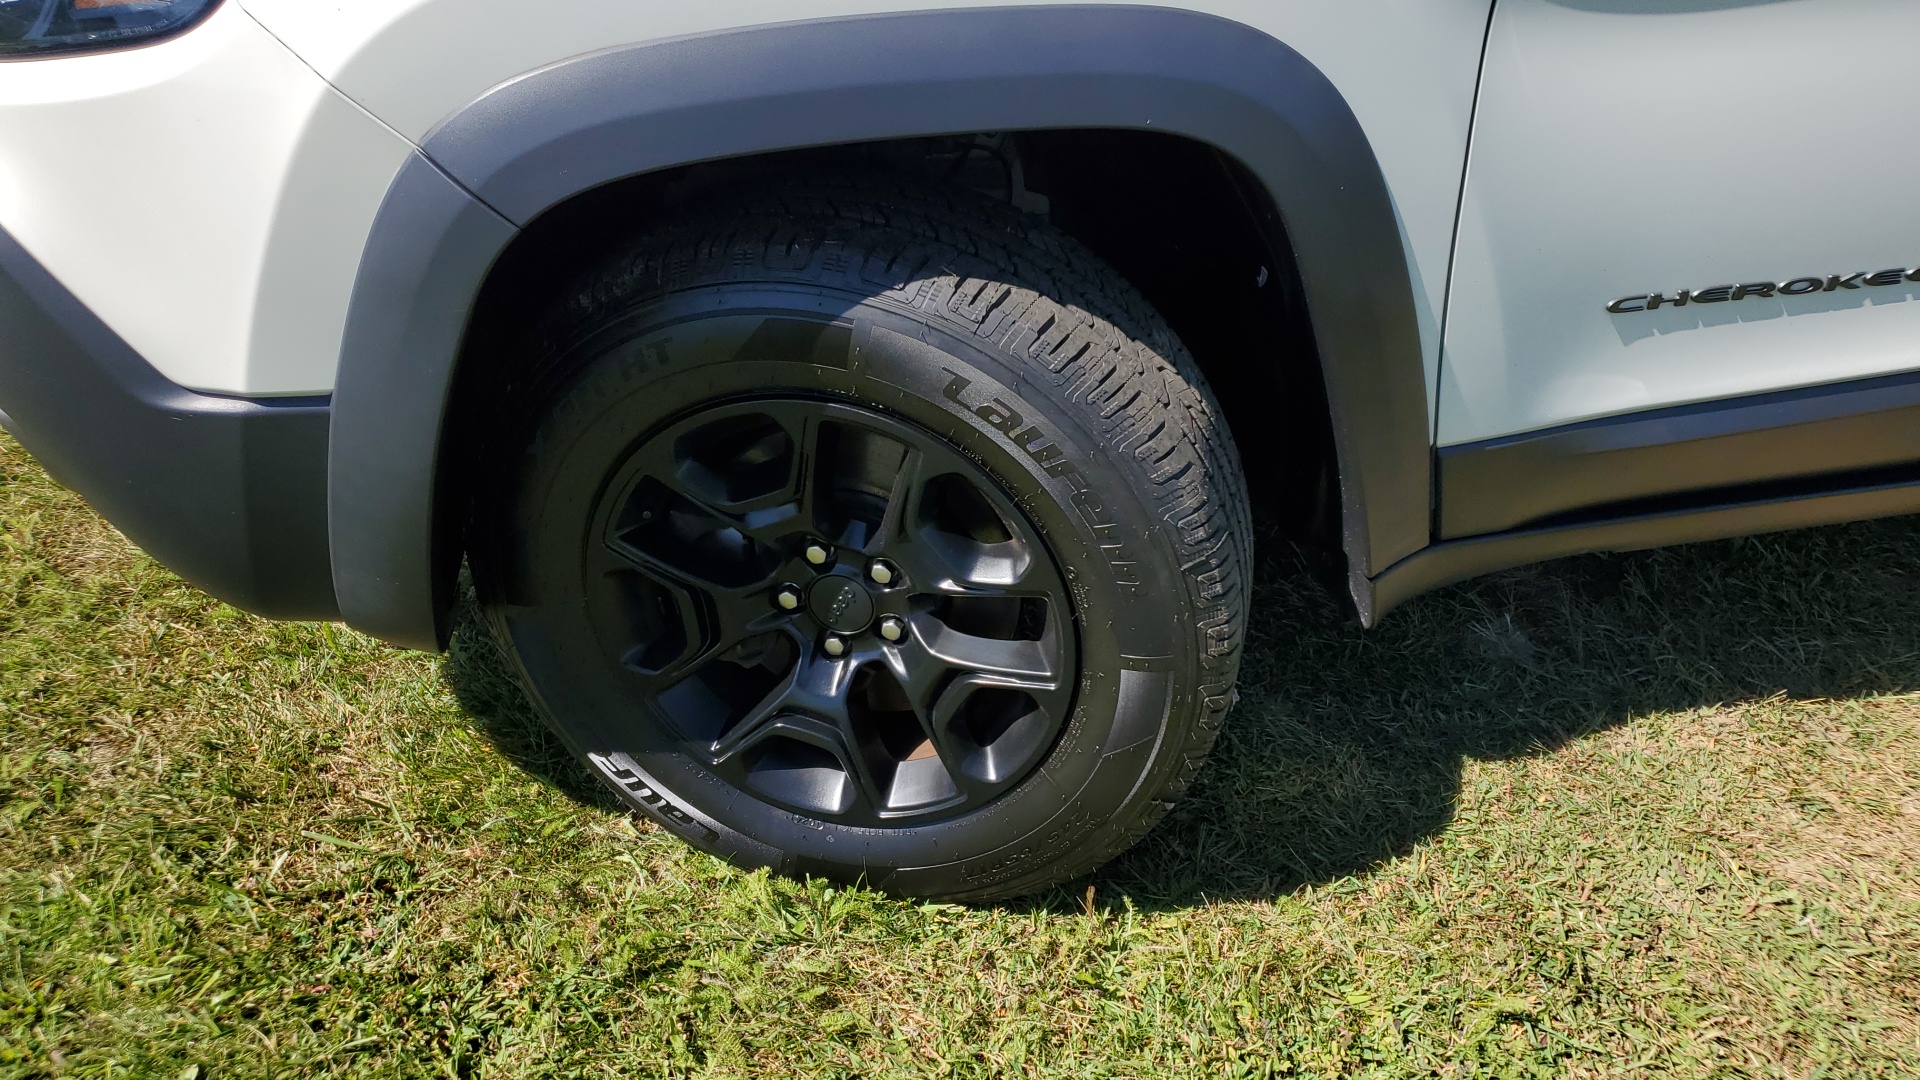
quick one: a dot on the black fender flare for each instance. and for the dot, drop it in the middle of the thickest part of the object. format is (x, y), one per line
(539, 139)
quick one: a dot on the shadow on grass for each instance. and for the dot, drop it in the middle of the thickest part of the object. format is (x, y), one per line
(1347, 746)
(483, 681)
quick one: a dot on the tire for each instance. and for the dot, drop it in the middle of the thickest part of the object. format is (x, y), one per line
(836, 478)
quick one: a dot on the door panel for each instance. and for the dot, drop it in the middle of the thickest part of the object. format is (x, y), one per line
(1635, 147)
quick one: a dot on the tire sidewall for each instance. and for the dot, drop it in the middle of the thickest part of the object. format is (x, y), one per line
(1140, 654)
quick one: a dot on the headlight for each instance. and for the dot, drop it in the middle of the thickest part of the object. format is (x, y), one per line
(33, 28)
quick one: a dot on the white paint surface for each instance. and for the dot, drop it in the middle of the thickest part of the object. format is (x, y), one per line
(208, 197)
(1633, 147)
(1407, 68)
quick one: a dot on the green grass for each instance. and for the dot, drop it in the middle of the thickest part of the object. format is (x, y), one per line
(1657, 812)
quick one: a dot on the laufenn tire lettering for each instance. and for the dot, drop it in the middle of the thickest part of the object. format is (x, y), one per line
(1800, 286)
(650, 796)
(1007, 420)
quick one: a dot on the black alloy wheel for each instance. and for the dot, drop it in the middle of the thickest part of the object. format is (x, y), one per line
(871, 531)
(834, 610)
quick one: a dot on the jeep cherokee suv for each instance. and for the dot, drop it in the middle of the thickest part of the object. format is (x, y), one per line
(848, 408)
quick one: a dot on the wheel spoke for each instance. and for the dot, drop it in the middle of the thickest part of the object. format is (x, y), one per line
(744, 460)
(901, 752)
(713, 618)
(822, 692)
(864, 482)
(753, 723)
(804, 428)
(985, 706)
(958, 536)
(802, 762)
(933, 560)
(1033, 663)
(810, 708)
(776, 515)
(990, 731)
(652, 621)
(901, 499)
(720, 500)
(920, 676)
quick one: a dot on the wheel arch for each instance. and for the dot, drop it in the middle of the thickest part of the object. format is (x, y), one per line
(539, 140)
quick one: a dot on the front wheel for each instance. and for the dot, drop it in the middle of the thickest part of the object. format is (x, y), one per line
(870, 532)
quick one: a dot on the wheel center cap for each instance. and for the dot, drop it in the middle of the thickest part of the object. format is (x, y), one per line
(842, 604)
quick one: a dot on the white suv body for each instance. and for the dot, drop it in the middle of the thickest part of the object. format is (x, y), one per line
(1654, 145)
(278, 126)
(1575, 274)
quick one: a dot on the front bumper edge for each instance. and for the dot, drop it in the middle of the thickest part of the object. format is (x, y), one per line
(230, 493)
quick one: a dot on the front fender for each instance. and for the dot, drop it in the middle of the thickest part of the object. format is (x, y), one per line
(537, 140)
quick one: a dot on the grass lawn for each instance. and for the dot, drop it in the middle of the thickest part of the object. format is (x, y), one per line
(1656, 812)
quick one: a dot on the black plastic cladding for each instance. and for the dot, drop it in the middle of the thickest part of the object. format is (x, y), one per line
(228, 492)
(1605, 467)
(429, 253)
(1877, 493)
(536, 141)
(1812, 456)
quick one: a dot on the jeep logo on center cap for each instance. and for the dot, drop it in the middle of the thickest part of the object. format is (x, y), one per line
(842, 604)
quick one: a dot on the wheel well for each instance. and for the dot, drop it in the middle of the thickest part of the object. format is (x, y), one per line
(1183, 222)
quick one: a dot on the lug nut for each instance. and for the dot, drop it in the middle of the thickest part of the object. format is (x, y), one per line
(788, 598)
(892, 628)
(880, 572)
(818, 553)
(835, 646)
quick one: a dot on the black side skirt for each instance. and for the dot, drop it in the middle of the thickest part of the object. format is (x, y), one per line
(1816, 456)
(1457, 560)
(1689, 454)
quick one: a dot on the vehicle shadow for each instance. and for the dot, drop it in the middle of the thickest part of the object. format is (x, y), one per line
(1347, 746)
(483, 681)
